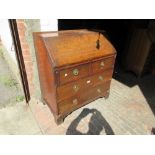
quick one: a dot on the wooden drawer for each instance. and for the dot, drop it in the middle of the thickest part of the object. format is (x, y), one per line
(103, 64)
(75, 73)
(81, 85)
(82, 98)
(102, 77)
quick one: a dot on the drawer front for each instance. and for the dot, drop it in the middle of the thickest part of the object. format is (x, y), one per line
(75, 73)
(71, 89)
(82, 98)
(103, 64)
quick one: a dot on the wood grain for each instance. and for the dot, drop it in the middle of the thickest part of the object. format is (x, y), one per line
(70, 70)
(89, 95)
(70, 47)
(82, 85)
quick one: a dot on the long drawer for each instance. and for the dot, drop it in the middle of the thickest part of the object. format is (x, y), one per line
(83, 97)
(82, 85)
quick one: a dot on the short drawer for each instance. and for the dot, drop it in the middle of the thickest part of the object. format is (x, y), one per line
(102, 77)
(103, 64)
(83, 97)
(82, 85)
(75, 73)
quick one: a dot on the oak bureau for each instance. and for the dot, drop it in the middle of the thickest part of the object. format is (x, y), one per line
(75, 67)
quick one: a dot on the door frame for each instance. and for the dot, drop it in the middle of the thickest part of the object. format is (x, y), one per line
(19, 56)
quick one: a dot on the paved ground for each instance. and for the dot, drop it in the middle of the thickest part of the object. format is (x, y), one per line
(128, 110)
(17, 119)
(10, 91)
(15, 116)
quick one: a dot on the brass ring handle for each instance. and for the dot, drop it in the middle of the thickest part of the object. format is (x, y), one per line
(102, 64)
(99, 90)
(75, 101)
(75, 72)
(75, 88)
(100, 78)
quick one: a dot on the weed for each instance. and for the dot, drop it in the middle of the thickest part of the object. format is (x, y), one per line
(1, 51)
(19, 98)
(8, 81)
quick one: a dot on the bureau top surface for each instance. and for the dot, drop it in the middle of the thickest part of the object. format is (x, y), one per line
(75, 46)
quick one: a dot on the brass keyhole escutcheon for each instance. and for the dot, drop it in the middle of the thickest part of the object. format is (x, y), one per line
(102, 64)
(88, 81)
(75, 88)
(75, 72)
(75, 101)
(66, 74)
(100, 78)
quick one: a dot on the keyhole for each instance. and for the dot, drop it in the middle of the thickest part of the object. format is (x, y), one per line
(98, 44)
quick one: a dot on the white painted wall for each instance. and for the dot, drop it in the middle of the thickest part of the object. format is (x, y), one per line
(5, 34)
(49, 24)
(6, 38)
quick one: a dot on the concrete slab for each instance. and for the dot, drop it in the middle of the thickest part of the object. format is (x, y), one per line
(10, 90)
(18, 120)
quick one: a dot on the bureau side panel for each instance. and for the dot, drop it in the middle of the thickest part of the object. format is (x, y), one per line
(46, 74)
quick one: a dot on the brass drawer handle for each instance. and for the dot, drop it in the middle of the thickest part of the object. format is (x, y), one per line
(75, 88)
(99, 90)
(102, 64)
(75, 101)
(75, 72)
(100, 78)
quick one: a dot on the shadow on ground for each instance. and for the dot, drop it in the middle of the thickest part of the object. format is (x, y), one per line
(97, 123)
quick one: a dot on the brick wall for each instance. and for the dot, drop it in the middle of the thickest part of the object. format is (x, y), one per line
(26, 53)
(26, 27)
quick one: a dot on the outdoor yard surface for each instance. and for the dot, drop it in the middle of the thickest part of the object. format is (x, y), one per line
(10, 91)
(128, 110)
